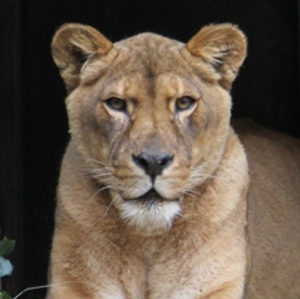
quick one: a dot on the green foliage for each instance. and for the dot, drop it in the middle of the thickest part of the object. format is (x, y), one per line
(4, 295)
(6, 247)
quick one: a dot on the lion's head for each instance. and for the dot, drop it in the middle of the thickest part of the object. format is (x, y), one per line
(148, 115)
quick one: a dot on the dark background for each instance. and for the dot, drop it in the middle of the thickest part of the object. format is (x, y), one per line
(33, 123)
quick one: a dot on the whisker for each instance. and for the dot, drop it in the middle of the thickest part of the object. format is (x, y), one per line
(96, 193)
(95, 175)
(200, 176)
(110, 205)
(107, 180)
(102, 189)
(98, 170)
(192, 193)
(189, 194)
(96, 161)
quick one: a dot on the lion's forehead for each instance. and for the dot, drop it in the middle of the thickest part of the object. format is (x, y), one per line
(147, 65)
(150, 43)
(166, 85)
(150, 55)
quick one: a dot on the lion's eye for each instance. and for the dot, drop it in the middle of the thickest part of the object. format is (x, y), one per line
(184, 103)
(116, 104)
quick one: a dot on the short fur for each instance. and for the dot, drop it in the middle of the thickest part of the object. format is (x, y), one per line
(123, 233)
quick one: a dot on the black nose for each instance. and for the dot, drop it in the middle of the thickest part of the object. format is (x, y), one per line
(152, 164)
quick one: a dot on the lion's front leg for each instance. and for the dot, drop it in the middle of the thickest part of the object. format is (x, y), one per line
(63, 293)
(79, 292)
(232, 291)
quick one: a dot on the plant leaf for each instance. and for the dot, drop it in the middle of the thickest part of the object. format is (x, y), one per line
(6, 246)
(6, 267)
(4, 295)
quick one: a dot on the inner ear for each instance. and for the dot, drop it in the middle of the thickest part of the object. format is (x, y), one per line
(223, 47)
(80, 56)
(72, 46)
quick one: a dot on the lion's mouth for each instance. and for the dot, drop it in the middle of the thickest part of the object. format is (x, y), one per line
(152, 196)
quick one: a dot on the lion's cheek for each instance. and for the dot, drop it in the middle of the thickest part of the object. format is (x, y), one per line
(133, 186)
(172, 186)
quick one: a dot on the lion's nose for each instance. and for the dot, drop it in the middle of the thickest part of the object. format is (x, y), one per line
(152, 164)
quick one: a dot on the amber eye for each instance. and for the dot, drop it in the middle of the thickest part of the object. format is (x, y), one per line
(116, 104)
(184, 103)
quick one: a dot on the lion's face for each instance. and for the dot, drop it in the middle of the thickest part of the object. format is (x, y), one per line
(148, 115)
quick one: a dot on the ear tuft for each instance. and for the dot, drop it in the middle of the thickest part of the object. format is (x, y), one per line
(72, 45)
(223, 47)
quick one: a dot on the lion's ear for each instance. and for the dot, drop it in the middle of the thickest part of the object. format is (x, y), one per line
(223, 47)
(72, 46)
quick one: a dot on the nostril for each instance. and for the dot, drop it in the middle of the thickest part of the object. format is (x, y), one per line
(153, 165)
(141, 160)
(164, 160)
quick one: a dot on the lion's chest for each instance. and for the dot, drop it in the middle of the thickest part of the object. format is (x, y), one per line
(160, 270)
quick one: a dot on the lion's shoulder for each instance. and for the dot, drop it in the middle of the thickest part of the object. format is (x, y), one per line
(273, 210)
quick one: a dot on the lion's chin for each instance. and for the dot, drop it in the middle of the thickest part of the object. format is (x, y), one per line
(150, 212)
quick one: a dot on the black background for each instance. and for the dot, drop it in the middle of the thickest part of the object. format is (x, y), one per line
(267, 90)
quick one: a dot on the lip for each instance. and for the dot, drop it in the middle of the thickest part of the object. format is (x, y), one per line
(151, 196)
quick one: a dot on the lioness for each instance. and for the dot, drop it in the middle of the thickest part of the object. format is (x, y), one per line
(153, 198)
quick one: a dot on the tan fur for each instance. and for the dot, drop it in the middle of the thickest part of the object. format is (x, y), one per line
(188, 238)
(273, 212)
